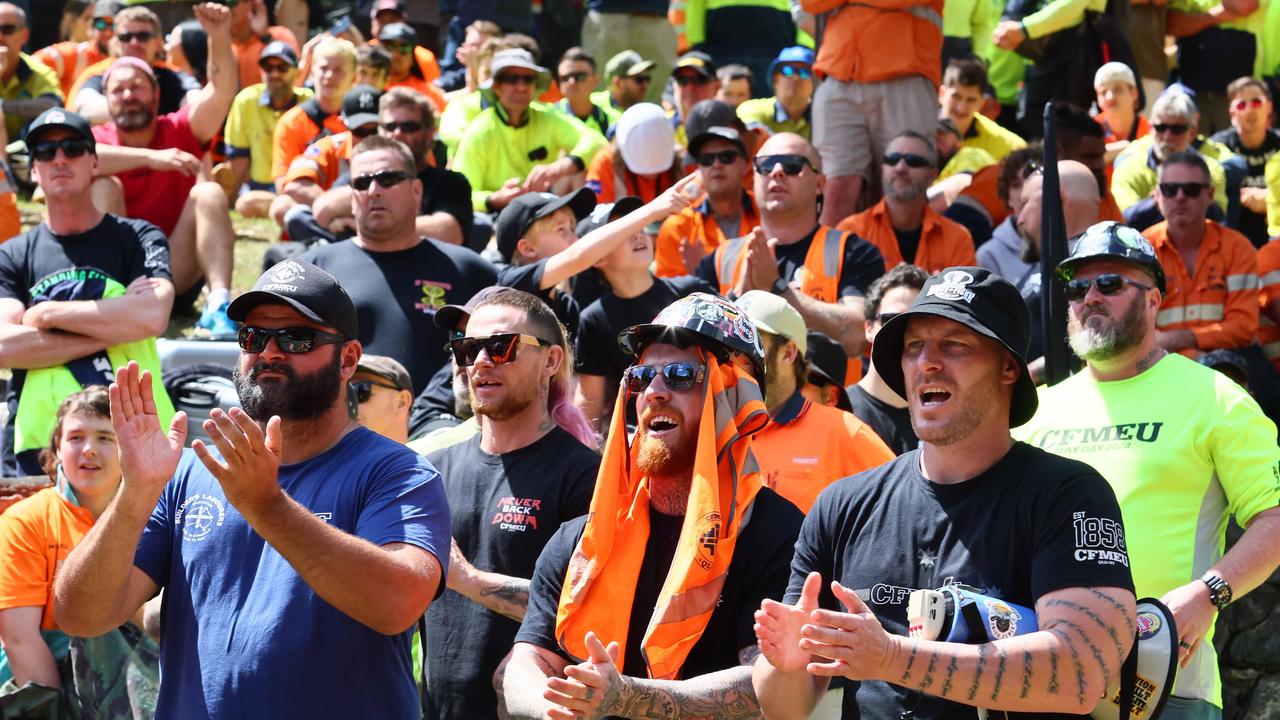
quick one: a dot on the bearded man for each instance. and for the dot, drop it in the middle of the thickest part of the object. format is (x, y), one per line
(300, 541)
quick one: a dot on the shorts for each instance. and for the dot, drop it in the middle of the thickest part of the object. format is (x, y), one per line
(853, 122)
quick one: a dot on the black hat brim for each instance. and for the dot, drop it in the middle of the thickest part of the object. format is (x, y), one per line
(886, 356)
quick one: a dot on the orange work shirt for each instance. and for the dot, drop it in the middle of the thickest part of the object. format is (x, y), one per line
(878, 40)
(295, 130)
(695, 225)
(323, 160)
(248, 52)
(944, 243)
(809, 446)
(36, 535)
(1219, 303)
(69, 59)
(610, 182)
(1268, 291)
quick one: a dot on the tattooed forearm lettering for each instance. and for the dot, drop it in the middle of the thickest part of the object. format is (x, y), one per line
(726, 694)
(927, 682)
(999, 670)
(1093, 649)
(1053, 673)
(951, 672)
(1026, 671)
(915, 648)
(1075, 660)
(1094, 617)
(983, 649)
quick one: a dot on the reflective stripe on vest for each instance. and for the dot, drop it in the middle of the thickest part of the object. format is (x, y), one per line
(1271, 278)
(1189, 313)
(812, 283)
(1244, 281)
(728, 265)
(925, 12)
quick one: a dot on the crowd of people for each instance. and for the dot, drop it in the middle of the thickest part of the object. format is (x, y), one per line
(660, 367)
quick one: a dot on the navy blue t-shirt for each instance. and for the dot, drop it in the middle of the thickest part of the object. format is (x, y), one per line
(243, 636)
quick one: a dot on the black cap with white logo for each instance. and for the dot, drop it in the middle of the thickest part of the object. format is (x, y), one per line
(314, 293)
(55, 118)
(981, 301)
(360, 106)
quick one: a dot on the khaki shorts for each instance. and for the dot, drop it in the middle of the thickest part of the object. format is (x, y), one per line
(853, 122)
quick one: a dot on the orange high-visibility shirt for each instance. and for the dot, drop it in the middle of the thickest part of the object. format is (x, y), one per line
(696, 225)
(1268, 292)
(943, 242)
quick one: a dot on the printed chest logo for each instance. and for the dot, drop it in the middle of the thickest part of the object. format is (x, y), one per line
(1101, 438)
(708, 534)
(432, 297)
(199, 516)
(1099, 540)
(517, 514)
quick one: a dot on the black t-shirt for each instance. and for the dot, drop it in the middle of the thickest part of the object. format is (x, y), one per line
(863, 263)
(758, 571)
(908, 243)
(397, 294)
(446, 191)
(597, 351)
(1010, 532)
(504, 509)
(1253, 225)
(174, 86)
(30, 264)
(588, 286)
(892, 424)
(529, 279)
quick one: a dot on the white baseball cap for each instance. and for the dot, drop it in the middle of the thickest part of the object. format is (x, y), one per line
(646, 139)
(1112, 72)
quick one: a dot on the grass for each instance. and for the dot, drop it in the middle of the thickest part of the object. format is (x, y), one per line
(252, 238)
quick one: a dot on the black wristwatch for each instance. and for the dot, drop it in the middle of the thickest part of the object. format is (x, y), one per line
(1219, 590)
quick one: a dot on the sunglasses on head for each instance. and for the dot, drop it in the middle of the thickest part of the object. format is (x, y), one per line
(501, 348)
(1108, 284)
(912, 160)
(803, 73)
(126, 38)
(514, 79)
(9, 29)
(386, 180)
(726, 157)
(364, 389)
(1242, 105)
(292, 340)
(408, 127)
(1175, 128)
(577, 77)
(791, 164)
(1189, 189)
(102, 24)
(48, 149)
(677, 375)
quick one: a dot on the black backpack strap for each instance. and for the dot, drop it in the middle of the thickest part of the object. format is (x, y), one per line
(422, 674)
(312, 108)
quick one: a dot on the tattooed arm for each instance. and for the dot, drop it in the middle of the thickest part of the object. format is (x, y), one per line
(521, 680)
(1066, 666)
(503, 594)
(595, 688)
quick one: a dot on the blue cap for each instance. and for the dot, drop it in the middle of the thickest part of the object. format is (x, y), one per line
(794, 55)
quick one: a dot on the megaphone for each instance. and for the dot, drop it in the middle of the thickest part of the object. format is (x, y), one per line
(961, 614)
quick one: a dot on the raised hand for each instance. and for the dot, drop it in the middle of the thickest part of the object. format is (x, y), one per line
(148, 456)
(591, 689)
(258, 23)
(778, 627)
(854, 642)
(677, 197)
(215, 18)
(250, 463)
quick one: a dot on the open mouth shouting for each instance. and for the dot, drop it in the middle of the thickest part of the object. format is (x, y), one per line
(661, 424)
(932, 396)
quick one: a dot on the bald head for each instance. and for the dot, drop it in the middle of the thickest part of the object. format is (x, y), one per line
(1080, 197)
(789, 144)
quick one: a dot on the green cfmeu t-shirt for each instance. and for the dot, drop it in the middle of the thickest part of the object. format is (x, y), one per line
(1184, 448)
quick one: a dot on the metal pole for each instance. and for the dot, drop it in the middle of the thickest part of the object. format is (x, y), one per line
(1053, 249)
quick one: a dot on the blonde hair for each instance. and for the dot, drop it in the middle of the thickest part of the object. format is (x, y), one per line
(335, 46)
(139, 14)
(539, 226)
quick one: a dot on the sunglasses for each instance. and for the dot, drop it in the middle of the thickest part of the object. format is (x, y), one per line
(1242, 105)
(1190, 189)
(1108, 284)
(803, 73)
(691, 79)
(363, 132)
(912, 160)
(386, 180)
(1176, 129)
(364, 389)
(292, 340)
(395, 47)
(102, 24)
(886, 317)
(726, 157)
(514, 79)
(408, 127)
(71, 148)
(126, 37)
(275, 68)
(9, 29)
(575, 77)
(640, 79)
(501, 348)
(791, 164)
(677, 375)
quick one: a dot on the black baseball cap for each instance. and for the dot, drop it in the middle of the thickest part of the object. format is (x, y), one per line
(606, 213)
(981, 301)
(55, 118)
(698, 62)
(398, 32)
(514, 220)
(716, 132)
(712, 113)
(277, 49)
(314, 293)
(452, 317)
(1109, 240)
(360, 106)
(828, 364)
